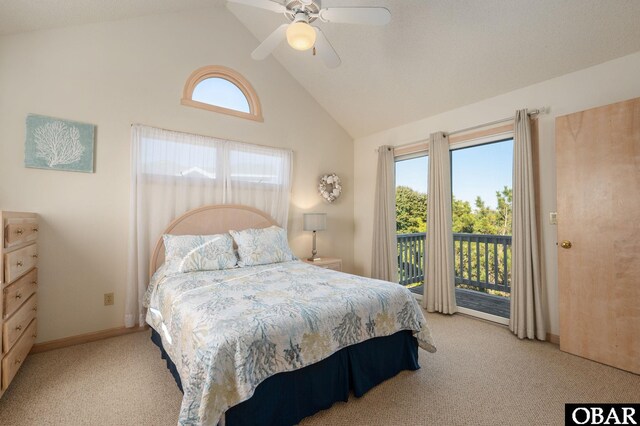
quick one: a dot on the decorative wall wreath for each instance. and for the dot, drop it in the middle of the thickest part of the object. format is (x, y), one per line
(330, 187)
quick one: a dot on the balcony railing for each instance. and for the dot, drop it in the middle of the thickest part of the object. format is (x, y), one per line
(411, 258)
(482, 262)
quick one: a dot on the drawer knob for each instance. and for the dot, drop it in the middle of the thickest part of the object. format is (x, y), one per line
(34, 335)
(35, 256)
(18, 360)
(19, 263)
(34, 282)
(18, 296)
(35, 308)
(18, 327)
(19, 231)
(35, 229)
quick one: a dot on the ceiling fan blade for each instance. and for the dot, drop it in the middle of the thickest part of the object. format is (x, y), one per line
(325, 51)
(262, 4)
(270, 43)
(356, 15)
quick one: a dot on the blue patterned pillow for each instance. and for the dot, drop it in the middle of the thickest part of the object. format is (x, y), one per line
(188, 253)
(262, 246)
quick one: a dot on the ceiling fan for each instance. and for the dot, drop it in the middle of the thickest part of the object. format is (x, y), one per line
(302, 36)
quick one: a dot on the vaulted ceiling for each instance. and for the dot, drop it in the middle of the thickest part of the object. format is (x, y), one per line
(434, 56)
(437, 55)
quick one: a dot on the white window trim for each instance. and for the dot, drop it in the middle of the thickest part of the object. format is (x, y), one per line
(235, 78)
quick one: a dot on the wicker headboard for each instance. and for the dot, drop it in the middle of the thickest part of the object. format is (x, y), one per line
(209, 220)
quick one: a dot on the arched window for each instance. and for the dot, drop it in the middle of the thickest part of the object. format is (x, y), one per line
(221, 89)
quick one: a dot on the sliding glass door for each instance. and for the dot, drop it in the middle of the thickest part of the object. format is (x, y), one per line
(411, 219)
(481, 178)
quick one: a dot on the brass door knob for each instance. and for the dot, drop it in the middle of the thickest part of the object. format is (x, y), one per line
(566, 244)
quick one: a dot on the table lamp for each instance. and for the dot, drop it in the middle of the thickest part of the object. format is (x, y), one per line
(315, 222)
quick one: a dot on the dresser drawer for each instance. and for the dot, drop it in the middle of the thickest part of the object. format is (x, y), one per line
(17, 262)
(16, 325)
(18, 293)
(14, 359)
(19, 231)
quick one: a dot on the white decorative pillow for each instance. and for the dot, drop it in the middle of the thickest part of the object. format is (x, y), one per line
(262, 246)
(188, 253)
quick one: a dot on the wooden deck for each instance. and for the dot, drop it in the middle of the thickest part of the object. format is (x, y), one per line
(483, 302)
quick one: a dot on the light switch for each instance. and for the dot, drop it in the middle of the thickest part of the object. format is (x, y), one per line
(553, 218)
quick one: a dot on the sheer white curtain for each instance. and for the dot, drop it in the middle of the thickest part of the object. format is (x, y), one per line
(440, 291)
(173, 172)
(526, 320)
(260, 177)
(384, 256)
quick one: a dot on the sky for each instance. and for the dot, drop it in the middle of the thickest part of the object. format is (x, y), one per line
(475, 171)
(220, 92)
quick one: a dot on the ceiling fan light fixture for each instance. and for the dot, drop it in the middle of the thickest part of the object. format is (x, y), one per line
(301, 35)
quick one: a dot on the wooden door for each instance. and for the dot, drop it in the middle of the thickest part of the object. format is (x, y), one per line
(598, 175)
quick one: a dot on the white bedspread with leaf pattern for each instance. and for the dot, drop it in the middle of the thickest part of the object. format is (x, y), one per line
(229, 330)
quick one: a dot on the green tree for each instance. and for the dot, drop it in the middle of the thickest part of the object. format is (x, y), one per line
(504, 211)
(411, 211)
(463, 219)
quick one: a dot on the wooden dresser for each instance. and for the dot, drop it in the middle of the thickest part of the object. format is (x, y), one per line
(18, 298)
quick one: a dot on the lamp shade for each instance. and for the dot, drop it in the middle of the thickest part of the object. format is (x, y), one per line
(315, 221)
(301, 36)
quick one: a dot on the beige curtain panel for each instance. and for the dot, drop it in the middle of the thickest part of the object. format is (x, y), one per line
(384, 259)
(526, 290)
(440, 291)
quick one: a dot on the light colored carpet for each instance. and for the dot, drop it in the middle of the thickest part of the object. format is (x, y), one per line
(481, 375)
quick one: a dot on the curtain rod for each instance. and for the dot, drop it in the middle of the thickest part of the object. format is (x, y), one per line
(532, 112)
(479, 126)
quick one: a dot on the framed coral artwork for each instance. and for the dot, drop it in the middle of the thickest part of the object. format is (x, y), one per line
(52, 143)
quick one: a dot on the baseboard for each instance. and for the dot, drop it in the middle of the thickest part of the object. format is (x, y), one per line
(84, 338)
(553, 338)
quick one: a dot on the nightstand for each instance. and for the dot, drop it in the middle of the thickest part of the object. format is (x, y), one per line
(326, 263)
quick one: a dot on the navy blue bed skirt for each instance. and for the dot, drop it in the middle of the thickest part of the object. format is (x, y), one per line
(287, 398)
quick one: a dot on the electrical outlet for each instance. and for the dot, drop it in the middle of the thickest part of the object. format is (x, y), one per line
(108, 299)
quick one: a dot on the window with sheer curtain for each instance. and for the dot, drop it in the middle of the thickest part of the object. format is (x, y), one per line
(173, 172)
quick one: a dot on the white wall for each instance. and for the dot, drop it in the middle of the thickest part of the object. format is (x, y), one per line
(599, 85)
(132, 71)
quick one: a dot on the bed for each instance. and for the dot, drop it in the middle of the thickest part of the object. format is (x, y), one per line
(271, 344)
